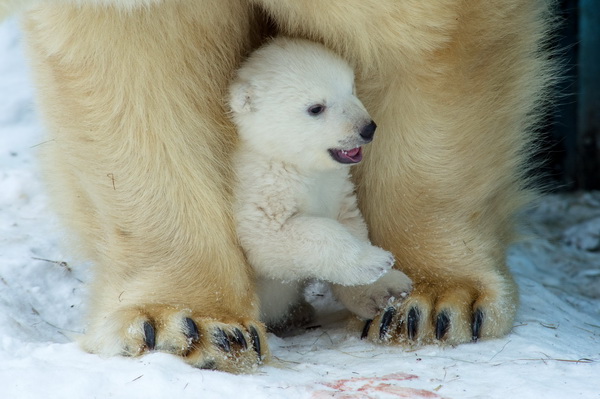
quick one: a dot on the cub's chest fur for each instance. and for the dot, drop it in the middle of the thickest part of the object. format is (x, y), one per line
(319, 194)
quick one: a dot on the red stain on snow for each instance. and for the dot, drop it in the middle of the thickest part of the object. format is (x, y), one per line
(373, 387)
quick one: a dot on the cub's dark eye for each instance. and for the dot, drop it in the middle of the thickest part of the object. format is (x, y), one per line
(316, 109)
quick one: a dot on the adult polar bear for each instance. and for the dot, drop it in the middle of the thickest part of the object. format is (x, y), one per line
(132, 93)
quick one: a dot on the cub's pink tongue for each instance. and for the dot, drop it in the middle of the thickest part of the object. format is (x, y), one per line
(353, 152)
(348, 156)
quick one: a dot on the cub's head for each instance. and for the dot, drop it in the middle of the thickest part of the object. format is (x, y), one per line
(294, 100)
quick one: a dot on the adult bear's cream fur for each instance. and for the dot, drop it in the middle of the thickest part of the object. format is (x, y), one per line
(139, 158)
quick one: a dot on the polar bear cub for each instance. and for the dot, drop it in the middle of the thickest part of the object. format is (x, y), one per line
(300, 127)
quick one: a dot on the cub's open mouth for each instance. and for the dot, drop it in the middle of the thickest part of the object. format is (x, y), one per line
(347, 156)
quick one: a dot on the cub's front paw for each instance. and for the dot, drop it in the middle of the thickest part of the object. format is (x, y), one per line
(367, 300)
(234, 346)
(371, 264)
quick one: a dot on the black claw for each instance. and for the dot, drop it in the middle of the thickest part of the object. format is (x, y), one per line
(238, 338)
(476, 326)
(149, 335)
(256, 342)
(222, 340)
(386, 320)
(442, 325)
(191, 329)
(412, 323)
(366, 328)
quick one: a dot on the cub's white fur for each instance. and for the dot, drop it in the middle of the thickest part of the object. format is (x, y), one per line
(296, 212)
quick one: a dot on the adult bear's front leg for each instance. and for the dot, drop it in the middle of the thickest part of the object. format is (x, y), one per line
(453, 87)
(138, 166)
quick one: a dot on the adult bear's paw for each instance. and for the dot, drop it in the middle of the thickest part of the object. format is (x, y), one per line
(446, 314)
(234, 346)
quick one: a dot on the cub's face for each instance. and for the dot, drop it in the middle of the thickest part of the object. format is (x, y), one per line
(294, 101)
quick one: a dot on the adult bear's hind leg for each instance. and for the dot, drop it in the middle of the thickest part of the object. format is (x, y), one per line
(138, 166)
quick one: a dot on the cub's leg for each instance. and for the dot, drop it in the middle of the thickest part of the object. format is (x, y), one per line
(305, 247)
(453, 87)
(367, 301)
(138, 166)
(282, 304)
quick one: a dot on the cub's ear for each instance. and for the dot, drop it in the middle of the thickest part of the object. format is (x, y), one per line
(240, 97)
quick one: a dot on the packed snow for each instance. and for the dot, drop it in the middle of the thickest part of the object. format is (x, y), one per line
(552, 352)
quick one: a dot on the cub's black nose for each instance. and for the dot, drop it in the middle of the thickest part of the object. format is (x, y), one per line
(368, 131)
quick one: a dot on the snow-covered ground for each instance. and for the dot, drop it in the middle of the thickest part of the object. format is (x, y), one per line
(553, 351)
